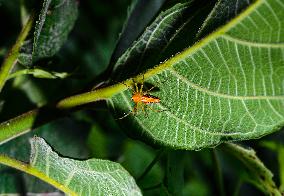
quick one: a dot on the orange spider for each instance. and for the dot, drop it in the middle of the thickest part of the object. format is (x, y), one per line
(141, 99)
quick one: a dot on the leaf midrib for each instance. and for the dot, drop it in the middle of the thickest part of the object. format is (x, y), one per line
(191, 50)
(222, 95)
(220, 33)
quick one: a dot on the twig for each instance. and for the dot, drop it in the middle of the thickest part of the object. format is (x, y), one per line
(13, 54)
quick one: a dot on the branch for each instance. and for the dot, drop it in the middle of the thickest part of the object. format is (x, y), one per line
(13, 54)
(28, 121)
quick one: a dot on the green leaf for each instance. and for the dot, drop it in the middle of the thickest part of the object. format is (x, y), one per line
(156, 37)
(90, 177)
(260, 176)
(223, 11)
(140, 13)
(56, 19)
(279, 149)
(173, 30)
(73, 145)
(228, 86)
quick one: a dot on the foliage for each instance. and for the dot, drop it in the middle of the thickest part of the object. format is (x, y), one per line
(217, 68)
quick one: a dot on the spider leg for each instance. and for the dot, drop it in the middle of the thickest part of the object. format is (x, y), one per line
(142, 85)
(141, 88)
(125, 115)
(147, 91)
(136, 86)
(131, 112)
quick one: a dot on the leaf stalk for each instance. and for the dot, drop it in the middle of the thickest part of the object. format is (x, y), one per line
(13, 54)
(8, 161)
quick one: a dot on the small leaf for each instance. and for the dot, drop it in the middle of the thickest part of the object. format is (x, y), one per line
(228, 86)
(90, 177)
(40, 73)
(260, 176)
(56, 19)
(279, 149)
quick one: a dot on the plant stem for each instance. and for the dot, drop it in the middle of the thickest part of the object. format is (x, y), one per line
(237, 187)
(174, 179)
(281, 167)
(24, 123)
(88, 97)
(218, 173)
(37, 117)
(5, 160)
(13, 54)
(150, 166)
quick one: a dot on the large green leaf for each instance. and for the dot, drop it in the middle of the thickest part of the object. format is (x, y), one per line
(90, 177)
(56, 19)
(228, 86)
(145, 52)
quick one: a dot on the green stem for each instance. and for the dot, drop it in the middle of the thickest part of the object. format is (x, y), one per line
(150, 166)
(91, 96)
(174, 179)
(218, 173)
(13, 54)
(5, 160)
(37, 117)
(26, 122)
(238, 187)
(38, 73)
(19, 73)
(281, 167)
(24, 12)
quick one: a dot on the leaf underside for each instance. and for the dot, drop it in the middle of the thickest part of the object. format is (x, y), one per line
(153, 42)
(56, 20)
(259, 174)
(229, 86)
(90, 177)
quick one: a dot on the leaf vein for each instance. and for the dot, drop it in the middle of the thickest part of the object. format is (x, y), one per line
(251, 43)
(225, 96)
